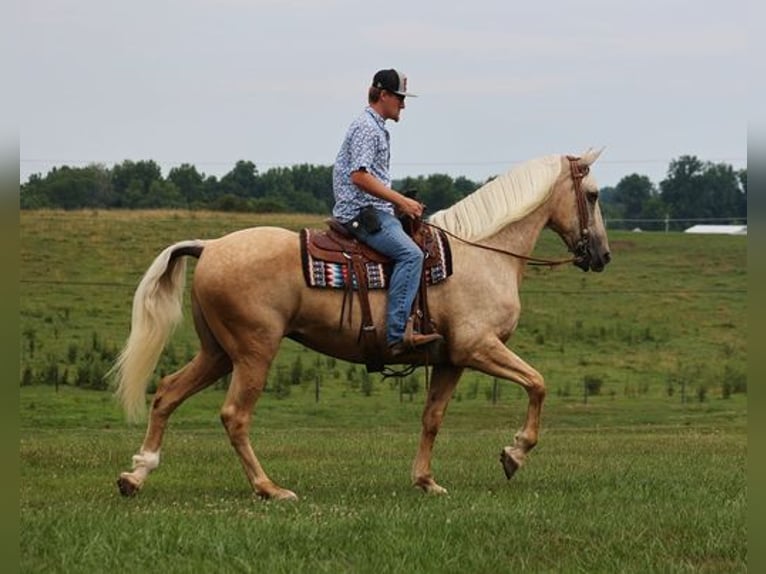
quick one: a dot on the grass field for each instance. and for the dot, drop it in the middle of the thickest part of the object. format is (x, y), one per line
(646, 476)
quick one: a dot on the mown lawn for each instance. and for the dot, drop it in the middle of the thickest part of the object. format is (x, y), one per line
(616, 485)
(647, 475)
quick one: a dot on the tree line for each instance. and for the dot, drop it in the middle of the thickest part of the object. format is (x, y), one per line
(692, 190)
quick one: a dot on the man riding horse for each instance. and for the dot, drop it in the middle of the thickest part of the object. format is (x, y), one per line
(366, 205)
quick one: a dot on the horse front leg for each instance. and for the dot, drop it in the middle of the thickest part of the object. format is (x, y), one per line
(495, 359)
(173, 390)
(443, 382)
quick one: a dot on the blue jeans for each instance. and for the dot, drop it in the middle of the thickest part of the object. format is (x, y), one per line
(392, 241)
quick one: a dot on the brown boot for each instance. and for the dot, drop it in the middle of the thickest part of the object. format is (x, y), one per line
(413, 341)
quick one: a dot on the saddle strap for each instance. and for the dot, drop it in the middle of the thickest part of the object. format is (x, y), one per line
(420, 307)
(367, 333)
(348, 296)
(421, 236)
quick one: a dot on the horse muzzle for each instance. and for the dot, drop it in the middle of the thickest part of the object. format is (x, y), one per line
(585, 258)
(582, 255)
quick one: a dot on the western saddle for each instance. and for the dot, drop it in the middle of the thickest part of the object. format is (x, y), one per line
(337, 245)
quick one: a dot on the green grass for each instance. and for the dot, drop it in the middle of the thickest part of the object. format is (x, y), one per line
(670, 307)
(634, 480)
(631, 486)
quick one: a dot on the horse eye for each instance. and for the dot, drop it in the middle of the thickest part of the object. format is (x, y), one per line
(592, 194)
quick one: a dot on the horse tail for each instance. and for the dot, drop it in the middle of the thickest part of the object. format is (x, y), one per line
(157, 310)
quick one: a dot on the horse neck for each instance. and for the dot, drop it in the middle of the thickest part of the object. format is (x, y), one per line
(520, 236)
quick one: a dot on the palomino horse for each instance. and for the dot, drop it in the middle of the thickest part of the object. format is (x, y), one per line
(249, 292)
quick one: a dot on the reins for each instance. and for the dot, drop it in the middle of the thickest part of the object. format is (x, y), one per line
(528, 259)
(578, 173)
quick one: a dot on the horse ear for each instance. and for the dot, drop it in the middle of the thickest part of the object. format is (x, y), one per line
(590, 156)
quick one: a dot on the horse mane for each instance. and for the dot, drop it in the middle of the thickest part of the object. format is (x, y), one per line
(505, 199)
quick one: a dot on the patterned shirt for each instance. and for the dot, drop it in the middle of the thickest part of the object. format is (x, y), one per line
(366, 146)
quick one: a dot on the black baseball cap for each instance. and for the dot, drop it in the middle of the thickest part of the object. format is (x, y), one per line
(391, 81)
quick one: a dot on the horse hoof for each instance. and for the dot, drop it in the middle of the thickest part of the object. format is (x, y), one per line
(430, 487)
(510, 465)
(127, 487)
(280, 494)
(435, 489)
(285, 494)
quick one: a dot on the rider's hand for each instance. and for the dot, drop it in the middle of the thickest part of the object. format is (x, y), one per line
(410, 207)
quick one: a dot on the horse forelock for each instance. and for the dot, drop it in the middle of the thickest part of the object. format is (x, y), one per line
(507, 198)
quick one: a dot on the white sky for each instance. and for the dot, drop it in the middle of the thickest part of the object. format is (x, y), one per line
(277, 82)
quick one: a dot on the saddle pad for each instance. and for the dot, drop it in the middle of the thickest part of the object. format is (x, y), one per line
(323, 274)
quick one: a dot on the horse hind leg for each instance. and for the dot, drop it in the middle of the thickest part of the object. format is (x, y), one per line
(443, 384)
(248, 381)
(202, 371)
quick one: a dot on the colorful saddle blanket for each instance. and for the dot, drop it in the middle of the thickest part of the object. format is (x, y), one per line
(327, 255)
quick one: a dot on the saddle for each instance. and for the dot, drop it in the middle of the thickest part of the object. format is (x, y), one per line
(333, 258)
(336, 244)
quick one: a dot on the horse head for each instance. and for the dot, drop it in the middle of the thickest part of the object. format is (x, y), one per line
(577, 215)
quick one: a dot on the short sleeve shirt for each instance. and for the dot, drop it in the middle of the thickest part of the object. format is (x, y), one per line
(365, 147)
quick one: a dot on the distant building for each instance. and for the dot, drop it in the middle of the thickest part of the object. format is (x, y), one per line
(724, 229)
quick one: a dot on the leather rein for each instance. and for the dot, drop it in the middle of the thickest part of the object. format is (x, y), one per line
(581, 248)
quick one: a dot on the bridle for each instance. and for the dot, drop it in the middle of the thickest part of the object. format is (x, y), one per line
(581, 248)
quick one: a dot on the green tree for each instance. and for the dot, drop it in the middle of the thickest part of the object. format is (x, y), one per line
(315, 180)
(633, 193)
(299, 188)
(165, 194)
(439, 192)
(655, 210)
(742, 176)
(69, 188)
(410, 185)
(241, 181)
(229, 202)
(610, 208)
(33, 195)
(210, 190)
(726, 196)
(464, 186)
(697, 190)
(133, 181)
(679, 189)
(190, 184)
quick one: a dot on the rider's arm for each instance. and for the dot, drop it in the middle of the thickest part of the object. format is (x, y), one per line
(372, 185)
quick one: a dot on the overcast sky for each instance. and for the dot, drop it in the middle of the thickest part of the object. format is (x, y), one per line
(277, 82)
